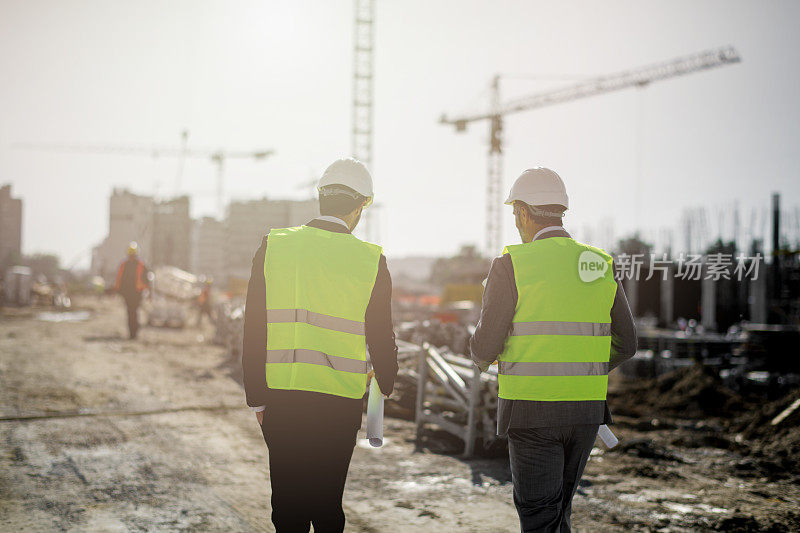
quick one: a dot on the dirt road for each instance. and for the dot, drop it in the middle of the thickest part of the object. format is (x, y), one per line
(101, 433)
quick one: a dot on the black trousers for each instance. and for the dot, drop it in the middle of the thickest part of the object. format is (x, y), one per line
(546, 465)
(309, 455)
(132, 302)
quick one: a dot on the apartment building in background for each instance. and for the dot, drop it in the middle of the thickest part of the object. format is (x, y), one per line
(167, 235)
(208, 248)
(130, 218)
(10, 227)
(172, 233)
(248, 221)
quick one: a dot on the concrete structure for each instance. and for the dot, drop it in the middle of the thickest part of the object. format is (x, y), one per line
(667, 298)
(249, 221)
(208, 248)
(172, 234)
(708, 304)
(167, 236)
(130, 218)
(757, 298)
(10, 227)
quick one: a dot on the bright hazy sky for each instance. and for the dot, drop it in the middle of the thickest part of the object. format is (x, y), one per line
(245, 75)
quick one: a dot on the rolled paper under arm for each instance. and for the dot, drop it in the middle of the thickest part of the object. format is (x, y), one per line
(375, 415)
(608, 438)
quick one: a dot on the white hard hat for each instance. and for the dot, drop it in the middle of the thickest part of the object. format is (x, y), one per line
(539, 186)
(133, 248)
(350, 173)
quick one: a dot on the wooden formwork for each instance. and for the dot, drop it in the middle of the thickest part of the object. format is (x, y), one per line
(453, 394)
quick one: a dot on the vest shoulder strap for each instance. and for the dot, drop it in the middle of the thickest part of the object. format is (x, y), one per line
(279, 233)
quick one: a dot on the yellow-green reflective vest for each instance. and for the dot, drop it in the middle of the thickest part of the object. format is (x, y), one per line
(560, 342)
(318, 286)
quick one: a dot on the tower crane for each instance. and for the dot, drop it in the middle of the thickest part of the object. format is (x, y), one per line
(639, 77)
(217, 156)
(363, 66)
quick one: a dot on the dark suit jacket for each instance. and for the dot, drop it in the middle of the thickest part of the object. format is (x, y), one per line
(379, 334)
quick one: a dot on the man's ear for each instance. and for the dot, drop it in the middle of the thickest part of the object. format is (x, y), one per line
(524, 215)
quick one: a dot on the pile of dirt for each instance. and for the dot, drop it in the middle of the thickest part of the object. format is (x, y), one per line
(647, 449)
(758, 424)
(779, 443)
(742, 523)
(694, 392)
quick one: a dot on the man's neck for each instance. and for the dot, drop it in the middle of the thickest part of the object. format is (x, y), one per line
(541, 231)
(333, 219)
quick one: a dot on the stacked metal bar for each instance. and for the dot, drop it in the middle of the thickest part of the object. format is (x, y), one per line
(454, 395)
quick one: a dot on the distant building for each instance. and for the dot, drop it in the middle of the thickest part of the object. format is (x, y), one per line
(466, 267)
(208, 248)
(172, 234)
(249, 221)
(10, 226)
(168, 236)
(130, 218)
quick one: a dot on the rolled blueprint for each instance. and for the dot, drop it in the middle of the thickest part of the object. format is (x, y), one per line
(375, 415)
(607, 437)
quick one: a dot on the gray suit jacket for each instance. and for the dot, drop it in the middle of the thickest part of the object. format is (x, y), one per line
(499, 304)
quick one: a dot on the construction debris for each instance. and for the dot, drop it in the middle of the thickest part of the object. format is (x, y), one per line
(229, 327)
(453, 394)
(707, 414)
(694, 392)
(669, 472)
(173, 290)
(786, 413)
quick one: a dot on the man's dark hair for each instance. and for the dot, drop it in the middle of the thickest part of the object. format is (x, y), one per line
(339, 200)
(540, 213)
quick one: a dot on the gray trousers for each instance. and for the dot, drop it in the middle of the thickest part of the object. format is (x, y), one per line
(546, 465)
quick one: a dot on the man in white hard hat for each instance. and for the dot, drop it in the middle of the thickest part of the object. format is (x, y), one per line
(557, 322)
(322, 296)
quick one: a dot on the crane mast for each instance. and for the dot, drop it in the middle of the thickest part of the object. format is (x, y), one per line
(494, 183)
(640, 77)
(363, 62)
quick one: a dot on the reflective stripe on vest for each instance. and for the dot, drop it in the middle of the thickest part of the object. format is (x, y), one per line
(344, 325)
(560, 343)
(542, 327)
(313, 357)
(318, 287)
(522, 368)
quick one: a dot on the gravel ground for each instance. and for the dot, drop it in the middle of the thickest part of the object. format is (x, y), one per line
(104, 434)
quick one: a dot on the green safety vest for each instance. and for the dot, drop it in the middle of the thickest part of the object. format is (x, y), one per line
(318, 286)
(560, 342)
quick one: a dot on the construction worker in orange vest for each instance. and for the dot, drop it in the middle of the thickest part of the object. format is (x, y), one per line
(204, 302)
(131, 282)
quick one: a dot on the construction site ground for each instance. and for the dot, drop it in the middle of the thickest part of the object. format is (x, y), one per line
(102, 433)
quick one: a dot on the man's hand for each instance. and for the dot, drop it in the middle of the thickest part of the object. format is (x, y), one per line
(260, 417)
(370, 376)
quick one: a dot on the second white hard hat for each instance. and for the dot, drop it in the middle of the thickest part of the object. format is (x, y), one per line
(539, 186)
(350, 173)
